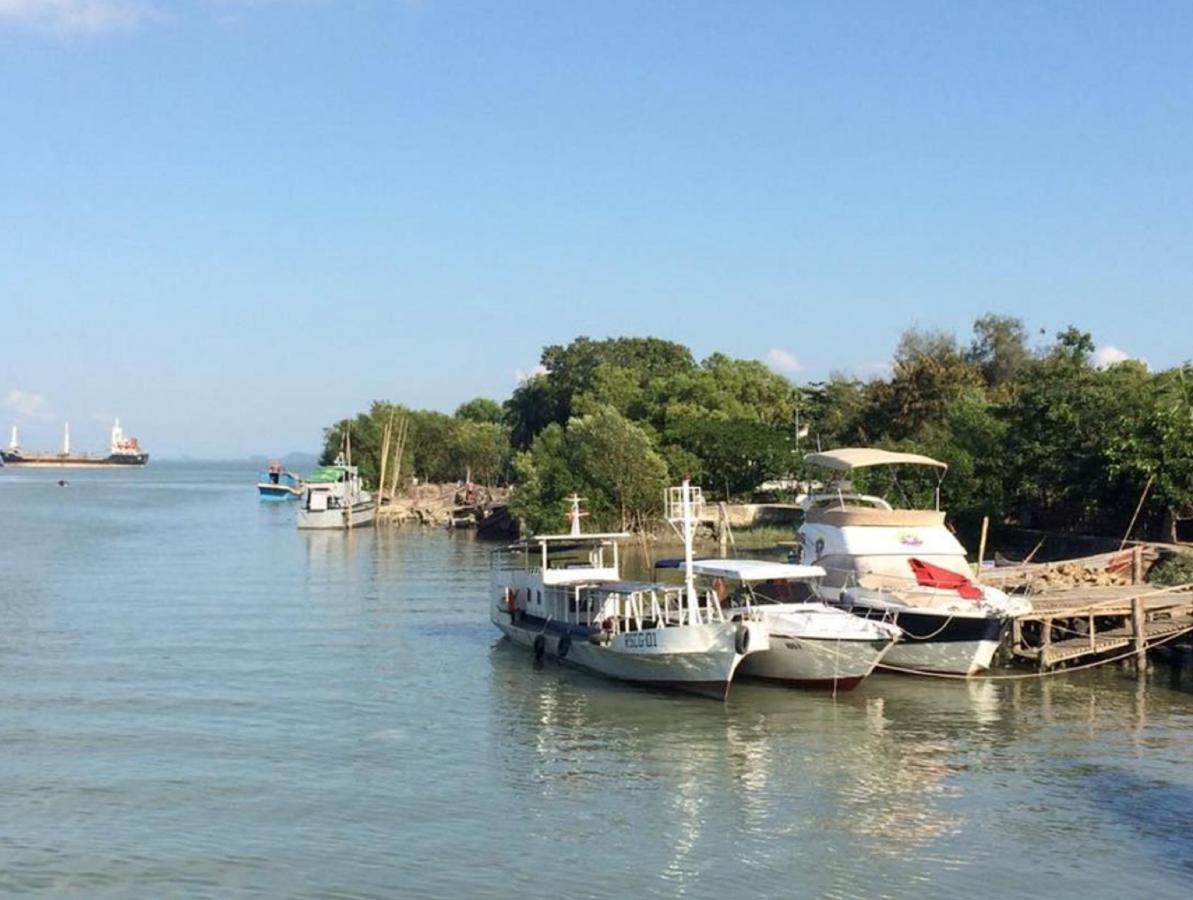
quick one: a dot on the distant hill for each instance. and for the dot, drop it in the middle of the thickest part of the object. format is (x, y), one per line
(293, 460)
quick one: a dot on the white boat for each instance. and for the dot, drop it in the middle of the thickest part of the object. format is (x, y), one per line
(812, 644)
(902, 565)
(562, 595)
(333, 497)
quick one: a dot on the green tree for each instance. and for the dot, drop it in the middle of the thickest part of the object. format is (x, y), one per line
(999, 349)
(480, 409)
(603, 457)
(735, 455)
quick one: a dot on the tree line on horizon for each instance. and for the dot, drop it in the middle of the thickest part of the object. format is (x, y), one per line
(1034, 436)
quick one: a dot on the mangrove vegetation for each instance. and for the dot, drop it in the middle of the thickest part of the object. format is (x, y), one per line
(1034, 435)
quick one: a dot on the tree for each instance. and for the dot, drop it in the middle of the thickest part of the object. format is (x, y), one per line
(999, 348)
(735, 455)
(585, 367)
(480, 409)
(603, 457)
(930, 374)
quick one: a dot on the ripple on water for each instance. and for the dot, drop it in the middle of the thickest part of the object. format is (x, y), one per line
(197, 700)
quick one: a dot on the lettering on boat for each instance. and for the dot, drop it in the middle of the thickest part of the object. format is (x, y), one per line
(639, 639)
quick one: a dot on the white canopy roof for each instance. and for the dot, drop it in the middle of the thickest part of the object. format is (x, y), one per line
(581, 538)
(860, 457)
(754, 570)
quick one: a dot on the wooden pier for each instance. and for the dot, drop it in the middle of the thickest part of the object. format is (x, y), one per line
(1084, 623)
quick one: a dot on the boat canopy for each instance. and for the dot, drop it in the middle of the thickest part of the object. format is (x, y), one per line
(755, 570)
(582, 538)
(848, 458)
(325, 474)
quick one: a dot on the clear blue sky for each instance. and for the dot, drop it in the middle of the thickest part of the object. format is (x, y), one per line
(233, 221)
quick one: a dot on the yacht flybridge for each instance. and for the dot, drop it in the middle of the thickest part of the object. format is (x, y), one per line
(562, 595)
(901, 565)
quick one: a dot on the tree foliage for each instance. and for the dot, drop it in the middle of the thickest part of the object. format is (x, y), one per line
(1037, 435)
(603, 457)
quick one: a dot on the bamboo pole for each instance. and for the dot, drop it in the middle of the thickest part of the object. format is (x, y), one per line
(982, 547)
(348, 462)
(384, 459)
(1138, 508)
(399, 452)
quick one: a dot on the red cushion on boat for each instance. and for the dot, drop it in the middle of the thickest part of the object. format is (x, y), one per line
(928, 575)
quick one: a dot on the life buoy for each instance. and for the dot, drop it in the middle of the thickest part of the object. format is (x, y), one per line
(540, 647)
(564, 645)
(741, 639)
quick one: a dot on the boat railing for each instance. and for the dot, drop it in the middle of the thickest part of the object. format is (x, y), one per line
(618, 611)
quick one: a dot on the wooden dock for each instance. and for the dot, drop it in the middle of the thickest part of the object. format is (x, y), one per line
(1083, 623)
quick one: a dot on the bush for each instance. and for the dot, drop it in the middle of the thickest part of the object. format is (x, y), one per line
(1175, 569)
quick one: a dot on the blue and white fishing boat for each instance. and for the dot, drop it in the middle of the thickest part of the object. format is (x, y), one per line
(279, 484)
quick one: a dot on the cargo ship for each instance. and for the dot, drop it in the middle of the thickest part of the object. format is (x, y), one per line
(122, 452)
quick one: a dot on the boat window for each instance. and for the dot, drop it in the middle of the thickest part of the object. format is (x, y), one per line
(538, 597)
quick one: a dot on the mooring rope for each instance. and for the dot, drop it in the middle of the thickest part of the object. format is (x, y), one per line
(948, 676)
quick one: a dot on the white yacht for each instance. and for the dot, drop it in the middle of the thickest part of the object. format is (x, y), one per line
(812, 644)
(901, 565)
(562, 595)
(333, 497)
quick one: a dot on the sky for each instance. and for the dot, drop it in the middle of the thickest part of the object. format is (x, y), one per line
(232, 222)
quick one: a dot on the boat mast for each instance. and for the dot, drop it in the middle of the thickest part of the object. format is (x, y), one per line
(12, 444)
(682, 503)
(688, 535)
(66, 440)
(574, 514)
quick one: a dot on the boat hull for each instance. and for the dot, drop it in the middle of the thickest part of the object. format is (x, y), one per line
(939, 642)
(278, 493)
(58, 461)
(816, 663)
(695, 659)
(335, 519)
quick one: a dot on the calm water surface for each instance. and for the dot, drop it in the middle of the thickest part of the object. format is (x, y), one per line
(198, 700)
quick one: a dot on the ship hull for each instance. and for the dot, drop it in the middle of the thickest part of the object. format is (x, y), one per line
(59, 461)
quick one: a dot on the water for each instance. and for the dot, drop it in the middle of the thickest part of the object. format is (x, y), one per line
(197, 700)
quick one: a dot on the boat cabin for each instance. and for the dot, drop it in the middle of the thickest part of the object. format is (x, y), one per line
(330, 487)
(861, 538)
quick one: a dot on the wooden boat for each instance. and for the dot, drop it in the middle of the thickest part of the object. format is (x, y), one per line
(279, 484)
(333, 497)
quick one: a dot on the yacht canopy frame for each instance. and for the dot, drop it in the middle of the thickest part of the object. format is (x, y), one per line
(847, 459)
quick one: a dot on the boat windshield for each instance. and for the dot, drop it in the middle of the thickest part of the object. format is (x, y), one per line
(763, 593)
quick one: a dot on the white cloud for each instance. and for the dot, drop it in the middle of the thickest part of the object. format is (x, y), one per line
(521, 376)
(78, 16)
(1108, 355)
(25, 404)
(782, 360)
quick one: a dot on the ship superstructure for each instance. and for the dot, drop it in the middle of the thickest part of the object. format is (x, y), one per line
(122, 451)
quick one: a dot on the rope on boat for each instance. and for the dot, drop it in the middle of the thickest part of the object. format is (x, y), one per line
(948, 676)
(927, 637)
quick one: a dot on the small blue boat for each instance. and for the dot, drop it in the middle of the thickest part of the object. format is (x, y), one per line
(279, 484)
